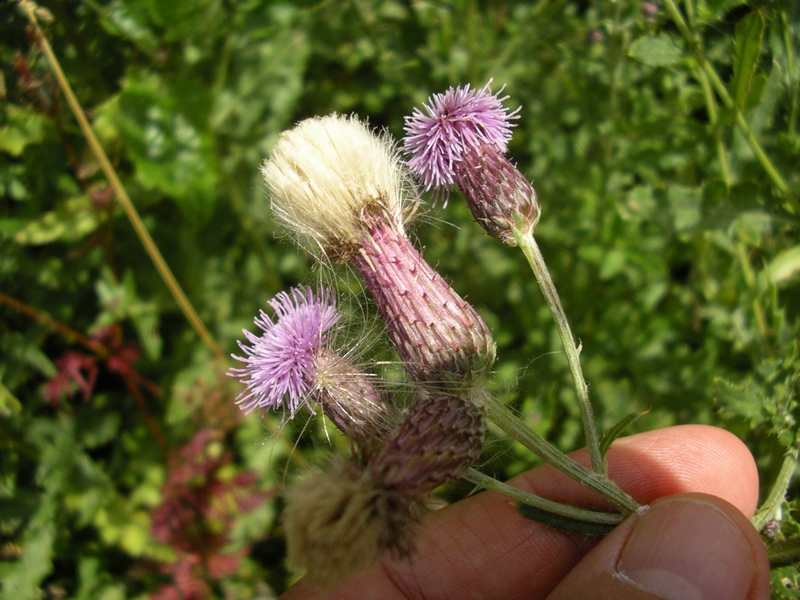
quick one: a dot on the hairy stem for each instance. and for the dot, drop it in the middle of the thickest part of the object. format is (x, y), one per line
(769, 509)
(530, 248)
(597, 482)
(556, 508)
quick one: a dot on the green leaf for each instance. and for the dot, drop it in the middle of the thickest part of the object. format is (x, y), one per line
(22, 127)
(71, 221)
(563, 523)
(655, 50)
(685, 206)
(166, 130)
(784, 552)
(746, 52)
(717, 9)
(9, 405)
(22, 578)
(783, 268)
(618, 429)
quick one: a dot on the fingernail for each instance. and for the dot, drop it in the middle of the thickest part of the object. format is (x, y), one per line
(688, 549)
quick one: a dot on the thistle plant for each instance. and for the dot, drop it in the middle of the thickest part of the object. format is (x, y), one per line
(340, 519)
(462, 140)
(341, 190)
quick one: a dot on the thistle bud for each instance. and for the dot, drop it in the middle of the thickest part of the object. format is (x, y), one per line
(499, 196)
(340, 520)
(439, 335)
(462, 138)
(440, 438)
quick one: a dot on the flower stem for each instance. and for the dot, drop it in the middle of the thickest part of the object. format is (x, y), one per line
(556, 508)
(777, 494)
(597, 482)
(530, 248)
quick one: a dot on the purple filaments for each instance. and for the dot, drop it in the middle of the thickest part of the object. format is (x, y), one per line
(279, 364)
(458, 120)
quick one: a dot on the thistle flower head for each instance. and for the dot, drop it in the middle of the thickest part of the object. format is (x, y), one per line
(279, 363)
(340, 520)
(325, 173)
(458, 120)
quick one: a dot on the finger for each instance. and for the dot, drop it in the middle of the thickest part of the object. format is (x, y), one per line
(692, 547)
(483, 547)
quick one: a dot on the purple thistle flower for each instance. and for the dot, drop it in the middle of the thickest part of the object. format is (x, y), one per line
(280, 363)
(463, 140)
(460, 120)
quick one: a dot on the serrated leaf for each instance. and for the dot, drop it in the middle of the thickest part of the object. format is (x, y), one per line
(563, 523)
(655, 50)
(618, 429)
(746, 52)
(71, 221)
(745, 400)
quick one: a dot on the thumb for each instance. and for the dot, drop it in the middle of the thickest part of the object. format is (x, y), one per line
(687, 547)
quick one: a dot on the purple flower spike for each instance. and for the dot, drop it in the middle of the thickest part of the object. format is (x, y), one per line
(460, 120)
(280, 363)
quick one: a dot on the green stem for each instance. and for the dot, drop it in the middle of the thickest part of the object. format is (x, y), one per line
(556, 508)
(713, 121)
(597, 482)
(530, 249)
(769, 509)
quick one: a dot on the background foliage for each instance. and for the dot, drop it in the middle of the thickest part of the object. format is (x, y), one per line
(125, 470)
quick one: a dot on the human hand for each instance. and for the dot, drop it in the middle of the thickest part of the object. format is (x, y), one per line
(693, 543)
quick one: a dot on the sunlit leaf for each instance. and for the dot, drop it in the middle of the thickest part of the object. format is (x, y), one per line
(655, 50)
(21, 128)
(784, 268)
(72, 220)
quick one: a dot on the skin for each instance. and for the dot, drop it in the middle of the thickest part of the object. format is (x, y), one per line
(702, 484)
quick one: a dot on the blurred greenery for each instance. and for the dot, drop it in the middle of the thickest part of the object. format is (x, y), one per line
(663, 143)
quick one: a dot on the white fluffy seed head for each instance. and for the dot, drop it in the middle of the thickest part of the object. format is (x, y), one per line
(323, 176)
(339, 521)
